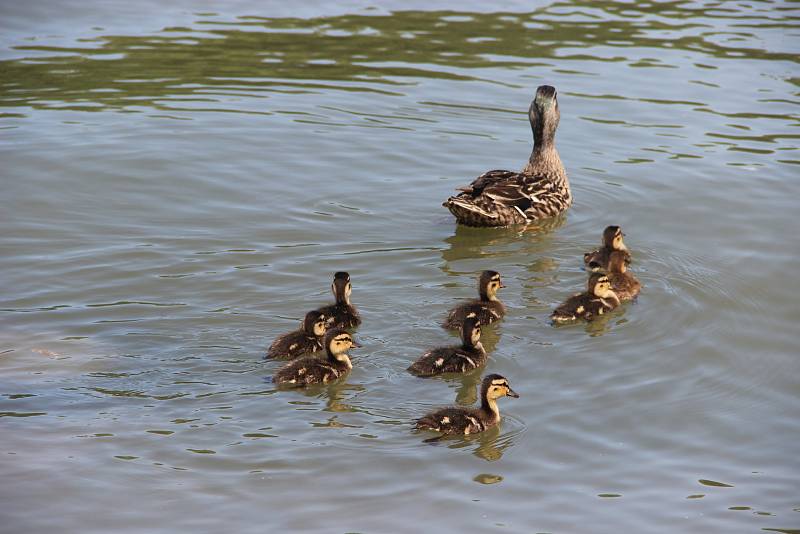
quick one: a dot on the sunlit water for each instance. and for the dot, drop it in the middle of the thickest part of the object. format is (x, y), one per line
(179, 183)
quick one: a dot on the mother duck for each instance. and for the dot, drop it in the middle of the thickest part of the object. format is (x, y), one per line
(541, 190)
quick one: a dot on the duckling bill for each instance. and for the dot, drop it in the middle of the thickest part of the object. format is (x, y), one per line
(541, 190)
(465, 421)
(307, 340)
(597, 260)
(309, 370)
(459, 359)
(487, 309)
(597, 300)
(342, 314)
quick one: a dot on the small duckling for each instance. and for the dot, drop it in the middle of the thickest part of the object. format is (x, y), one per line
(459, 359)
(307, 340)
(487, 308)
(597, 260)
(458, 420)
(310, 370)
(624, 284)
(342, 314)
(598, 299)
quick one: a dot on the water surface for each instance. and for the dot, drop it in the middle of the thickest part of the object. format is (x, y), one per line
(180, 182)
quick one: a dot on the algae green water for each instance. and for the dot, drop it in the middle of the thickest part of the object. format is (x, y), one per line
(180, 181)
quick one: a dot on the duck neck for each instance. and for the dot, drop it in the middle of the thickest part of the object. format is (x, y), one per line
(544, 158)
(488, 296)
(342, 299)
(489, 406)
(339, 359)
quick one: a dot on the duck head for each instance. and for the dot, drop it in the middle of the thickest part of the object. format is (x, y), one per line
(315, 324)
(342, 287)
(544, 116)
(488, 284)
(471, 332)
(600, 286)
(612, 238)
(337, 342)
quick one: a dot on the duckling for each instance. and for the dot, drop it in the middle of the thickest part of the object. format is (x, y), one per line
(598, 299)
(458, 359)
(306, 340)
(624, 284)
(541, 190)
(487, 308)
(342, 314)
(458, 420)
(597, 260)
(310, 370)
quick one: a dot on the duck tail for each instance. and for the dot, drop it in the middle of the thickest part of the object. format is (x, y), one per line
(468, 213)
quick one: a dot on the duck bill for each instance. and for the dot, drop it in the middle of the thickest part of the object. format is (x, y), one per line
(513, 394)
(357, 345)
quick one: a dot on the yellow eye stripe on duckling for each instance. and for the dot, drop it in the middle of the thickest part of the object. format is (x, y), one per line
(500, 382)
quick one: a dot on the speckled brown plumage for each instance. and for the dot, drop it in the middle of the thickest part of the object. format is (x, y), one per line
(309, 370)
(623, 282)
(541, 190)
(597, 260)
(342, 314)
(597, 300)
(306, 340)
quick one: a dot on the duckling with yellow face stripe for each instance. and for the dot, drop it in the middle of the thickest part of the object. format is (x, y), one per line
(341, 314)
(624, 284)
(310, 370)
(459, 359)
(597, 260)
(597, 300)
(458, 420)
(487, 309)
(308, 339)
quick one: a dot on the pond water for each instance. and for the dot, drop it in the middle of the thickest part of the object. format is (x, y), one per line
(181, 179)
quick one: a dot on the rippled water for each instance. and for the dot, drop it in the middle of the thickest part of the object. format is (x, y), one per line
(180, 181)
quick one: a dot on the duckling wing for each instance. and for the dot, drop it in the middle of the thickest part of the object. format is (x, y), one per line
(451, 421)
(306, 371)
(293, 345)
(446, 360)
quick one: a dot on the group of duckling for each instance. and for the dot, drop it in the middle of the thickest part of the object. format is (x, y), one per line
(496, 198)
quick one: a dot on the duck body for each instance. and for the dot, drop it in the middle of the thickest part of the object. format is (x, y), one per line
(487, 308)
(598, 259)
(466, 421)
(596, 301)
(307, 340)
(341, 314)
(623, 282)
(458, 359)
(309, 370)
(541, 190)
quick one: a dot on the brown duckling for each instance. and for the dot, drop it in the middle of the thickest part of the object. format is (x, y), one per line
(310, 370)
(597, 300)
(541, 190)
(597, 260)
(341, 314)
(459, 359)
(487, 308)
(458, 420)
(307, 340)
(624, 284)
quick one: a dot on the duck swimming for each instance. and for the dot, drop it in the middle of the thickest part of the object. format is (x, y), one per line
(459, 359)
(487, 309)
(597, 300)
(341, 314)
(458, 420)
(597, 260)
(624, 284)
(541, 190)
(306, 340)
(310, 370)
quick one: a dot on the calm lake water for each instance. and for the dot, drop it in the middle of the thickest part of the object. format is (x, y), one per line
(181, 179)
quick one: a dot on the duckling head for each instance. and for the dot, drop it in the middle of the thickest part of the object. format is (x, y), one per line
(342, 287)
(495, 386)
(488, 284)
(315, 323)
(612, 238)
(471, 331)
(600, 286)
(544, 115)
(617, 262)
(337, 342)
